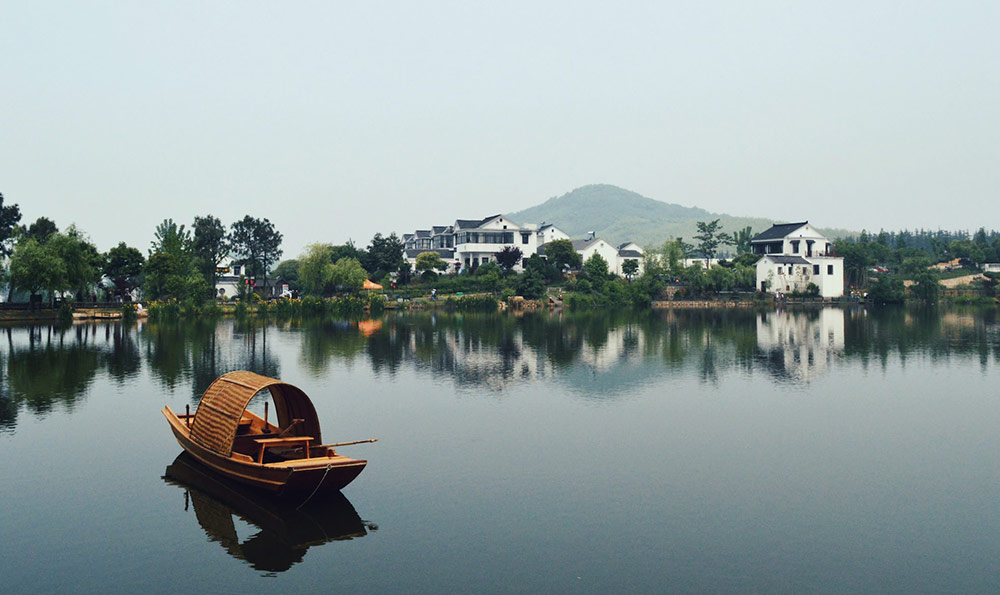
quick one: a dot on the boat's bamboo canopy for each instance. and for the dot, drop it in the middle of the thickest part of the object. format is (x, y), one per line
(218, 415)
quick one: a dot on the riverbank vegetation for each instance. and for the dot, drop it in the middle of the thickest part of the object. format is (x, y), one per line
(179, 272)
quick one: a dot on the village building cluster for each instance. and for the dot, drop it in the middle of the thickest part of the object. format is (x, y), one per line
(468, 243)
(793, 255)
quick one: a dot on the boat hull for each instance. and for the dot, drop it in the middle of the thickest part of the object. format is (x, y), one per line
(301, 477)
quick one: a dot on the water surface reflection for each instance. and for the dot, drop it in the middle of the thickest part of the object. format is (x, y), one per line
(284, 530)
(598, 355)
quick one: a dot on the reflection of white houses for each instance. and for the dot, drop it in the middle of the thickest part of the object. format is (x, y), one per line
(801, 345)
(793, 255)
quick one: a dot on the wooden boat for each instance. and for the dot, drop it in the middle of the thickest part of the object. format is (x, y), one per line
(284, 459)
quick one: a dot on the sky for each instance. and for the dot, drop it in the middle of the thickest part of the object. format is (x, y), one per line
(337, 120)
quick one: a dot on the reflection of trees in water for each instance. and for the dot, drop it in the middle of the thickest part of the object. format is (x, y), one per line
(54, 368)
(191, 351)
(124, 359)
(494, 349)
(939, 333)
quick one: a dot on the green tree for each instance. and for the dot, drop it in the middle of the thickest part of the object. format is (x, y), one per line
(531, 284)
(170, 263)
(257, 243)
(887, 290)
(508, 258)
(10, 216)
(562, 255)
(428, 262)
(708, 239)
(123, 266)
(171, 238)
(595, 270)
(35, 267)
(740, 240)
(41, 229)
(385, 255)
(81, 260)
(288, 271)
(629, 268)
(210, 246)
(348, 250)
(316, 269)
(348, 274)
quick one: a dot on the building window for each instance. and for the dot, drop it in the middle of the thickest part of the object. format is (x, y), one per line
(781, 271)
(795, 246)
(525, 237)
(815, 269)
(829, 269)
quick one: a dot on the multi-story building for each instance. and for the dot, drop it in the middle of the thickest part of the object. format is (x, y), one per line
(793, 255)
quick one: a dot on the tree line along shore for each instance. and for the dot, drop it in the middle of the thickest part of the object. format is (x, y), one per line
(46, 268)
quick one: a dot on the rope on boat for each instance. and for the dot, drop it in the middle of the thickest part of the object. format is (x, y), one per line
(322, 479)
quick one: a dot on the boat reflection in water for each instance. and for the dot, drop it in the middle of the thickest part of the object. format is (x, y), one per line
(286, 532)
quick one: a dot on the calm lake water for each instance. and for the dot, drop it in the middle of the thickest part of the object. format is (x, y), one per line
(792, 451)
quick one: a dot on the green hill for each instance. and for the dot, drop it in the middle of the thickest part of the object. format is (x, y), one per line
(620, 215)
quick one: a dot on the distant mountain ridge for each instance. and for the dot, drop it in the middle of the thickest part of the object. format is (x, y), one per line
(620, 215)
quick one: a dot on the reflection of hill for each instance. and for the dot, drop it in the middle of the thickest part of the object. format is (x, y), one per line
(285, 531)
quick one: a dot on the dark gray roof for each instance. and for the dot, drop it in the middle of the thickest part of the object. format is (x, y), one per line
(407, 236)
(630, 254)
(787, 259)
(423, 233)
(443, 253)
(581, 244)
(471, 223)
(438, 229)
(544, 226)
(778, 231)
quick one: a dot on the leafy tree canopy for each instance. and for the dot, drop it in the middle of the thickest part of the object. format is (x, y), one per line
(257, 243)
(430, 261)
(42, 229)
(10, 216)
(123, 266)
(385, 254)
(562, 255)
(509, 257)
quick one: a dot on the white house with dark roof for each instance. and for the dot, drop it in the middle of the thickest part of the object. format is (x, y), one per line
(615, 256)
(793, 255)
(477, 241)
(548, 233)
(468, 243)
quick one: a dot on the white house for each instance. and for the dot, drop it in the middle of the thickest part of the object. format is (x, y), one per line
(793, 255)
(479, 241)
(615, 256)
(227, 284)
(548, 232)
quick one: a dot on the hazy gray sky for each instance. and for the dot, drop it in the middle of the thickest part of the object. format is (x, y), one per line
(339, 119)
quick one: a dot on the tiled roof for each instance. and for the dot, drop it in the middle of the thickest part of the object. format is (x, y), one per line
(423, 233)
(438, 229)
(443, 253)
(778, 258)
(471, 223)
(630, 253)
(778, 232)
(582, 244)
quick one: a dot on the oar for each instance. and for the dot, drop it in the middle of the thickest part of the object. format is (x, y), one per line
(346, 443)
